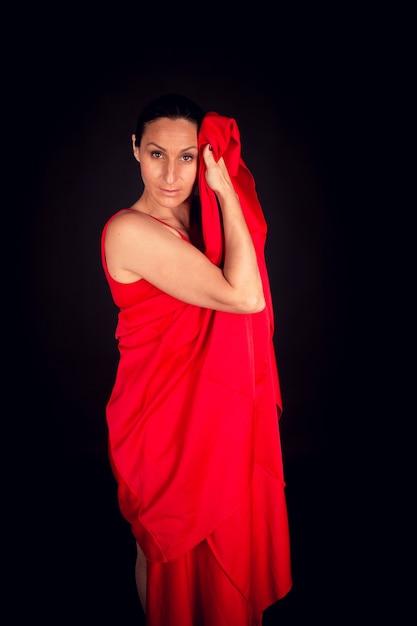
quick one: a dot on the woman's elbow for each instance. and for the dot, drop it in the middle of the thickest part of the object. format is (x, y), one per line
(254, 304)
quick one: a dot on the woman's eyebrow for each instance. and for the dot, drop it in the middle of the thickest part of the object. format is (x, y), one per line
(152, 143)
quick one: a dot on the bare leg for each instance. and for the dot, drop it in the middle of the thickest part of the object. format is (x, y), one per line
(140, 576)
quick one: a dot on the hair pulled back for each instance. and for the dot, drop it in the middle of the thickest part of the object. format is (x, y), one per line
(174, 107)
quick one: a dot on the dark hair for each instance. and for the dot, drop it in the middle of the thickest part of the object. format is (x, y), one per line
(170, 105)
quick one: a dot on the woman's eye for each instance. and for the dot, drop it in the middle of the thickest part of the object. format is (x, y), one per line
(156, 155)
(187, 157)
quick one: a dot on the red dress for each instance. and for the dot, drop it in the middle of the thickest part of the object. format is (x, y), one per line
(193, 434)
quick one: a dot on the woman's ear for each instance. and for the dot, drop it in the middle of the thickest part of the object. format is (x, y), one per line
(135, 149)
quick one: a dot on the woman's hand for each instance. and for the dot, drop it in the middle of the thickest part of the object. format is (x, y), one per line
(217, 176)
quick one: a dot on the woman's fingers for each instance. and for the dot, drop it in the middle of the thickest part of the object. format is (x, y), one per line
(208, 155)
(216, 174)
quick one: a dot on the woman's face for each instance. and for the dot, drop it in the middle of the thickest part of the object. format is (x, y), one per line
(168, 154)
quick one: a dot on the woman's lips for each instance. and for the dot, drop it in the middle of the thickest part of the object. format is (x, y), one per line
(169, 192)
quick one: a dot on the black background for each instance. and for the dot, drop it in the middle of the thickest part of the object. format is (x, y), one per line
(324, 98)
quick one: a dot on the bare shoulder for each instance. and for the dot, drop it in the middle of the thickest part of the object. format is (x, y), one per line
(127, 244)
(128, 218)
(128, 224)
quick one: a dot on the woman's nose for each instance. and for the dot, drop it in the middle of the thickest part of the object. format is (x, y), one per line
(170, 172)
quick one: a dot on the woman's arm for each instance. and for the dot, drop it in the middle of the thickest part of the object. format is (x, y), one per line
(137, 246)
(240, 264)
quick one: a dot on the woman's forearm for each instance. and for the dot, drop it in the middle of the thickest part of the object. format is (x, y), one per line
(240, 263)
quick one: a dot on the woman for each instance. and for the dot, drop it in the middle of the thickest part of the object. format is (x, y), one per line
(193, 415)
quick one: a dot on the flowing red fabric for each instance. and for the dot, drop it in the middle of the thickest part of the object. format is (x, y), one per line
(193, 433)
